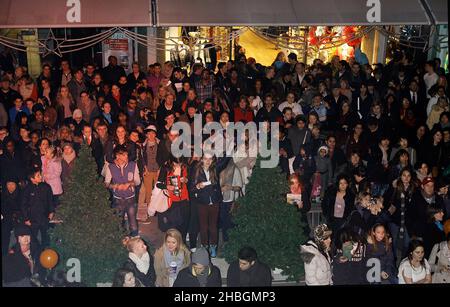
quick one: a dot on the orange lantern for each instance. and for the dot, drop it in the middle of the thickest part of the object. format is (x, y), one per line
(48, 258)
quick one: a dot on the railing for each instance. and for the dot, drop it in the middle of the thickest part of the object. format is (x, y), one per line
(315, 216)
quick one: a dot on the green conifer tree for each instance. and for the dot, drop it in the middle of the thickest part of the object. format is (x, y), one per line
(90, 229)
(267, 223)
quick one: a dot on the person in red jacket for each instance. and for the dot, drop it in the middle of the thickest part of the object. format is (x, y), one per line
(243, 113)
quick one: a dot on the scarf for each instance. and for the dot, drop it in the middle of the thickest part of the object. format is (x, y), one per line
(142, 264)
(203, 277)
(169, 257)
(69, 158)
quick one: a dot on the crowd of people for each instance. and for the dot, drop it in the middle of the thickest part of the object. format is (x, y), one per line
(370, 143)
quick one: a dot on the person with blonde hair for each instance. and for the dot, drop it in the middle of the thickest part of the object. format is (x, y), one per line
(139, 261)
(171, 258)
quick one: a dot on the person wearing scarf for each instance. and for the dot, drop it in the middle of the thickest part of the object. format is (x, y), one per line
(173, 254)
(200, 273)
(140, 262)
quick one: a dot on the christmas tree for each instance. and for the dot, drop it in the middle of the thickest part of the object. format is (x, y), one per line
(267, 223)
(90, 230)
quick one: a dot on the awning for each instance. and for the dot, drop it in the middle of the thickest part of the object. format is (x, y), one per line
(112, 13)
(438, 10)
(290, 12)
(74, 13)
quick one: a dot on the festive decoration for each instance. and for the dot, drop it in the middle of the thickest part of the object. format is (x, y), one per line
(48, 258)
(265, 222)
(91, 231)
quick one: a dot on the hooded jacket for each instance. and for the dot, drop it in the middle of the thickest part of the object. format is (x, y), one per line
(317, 265)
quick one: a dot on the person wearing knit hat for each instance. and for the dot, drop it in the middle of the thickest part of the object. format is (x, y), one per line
(322, 233)
(200, 273)
(316, 255)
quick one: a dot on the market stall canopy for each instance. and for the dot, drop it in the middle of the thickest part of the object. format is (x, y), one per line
(74, 13)
(438, 10)
(295, 12)
(112, 13)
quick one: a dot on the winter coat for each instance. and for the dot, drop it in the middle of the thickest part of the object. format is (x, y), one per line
(148, 279)
(324, 167)
(329, 202)
(305, 168)
(186, 278)
(11, 167)
(386, 258)
(393, 197)
(15, 266)
(51, 173)
(37, 203)
(210, 194)
(298, 137)
(350, 272)
(440, 259)
(162, 274)
(317, 265)
(259, 275)
(418, 213)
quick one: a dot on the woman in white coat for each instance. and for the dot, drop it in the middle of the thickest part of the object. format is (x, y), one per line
(316, 255)
(440, 262)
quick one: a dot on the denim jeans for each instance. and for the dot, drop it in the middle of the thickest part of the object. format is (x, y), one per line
(128, 206)
(399, 249)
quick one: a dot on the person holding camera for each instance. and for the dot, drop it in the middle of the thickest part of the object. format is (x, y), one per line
(173, 179)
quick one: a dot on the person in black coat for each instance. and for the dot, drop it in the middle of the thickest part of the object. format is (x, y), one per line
(434, 230)
(139, 261)
(338, 203)
(120, 138)
(37, 206)
(22, 261)
(200, 273)
(10, 211)
(286, 151)
(337, 156)
(305, 166)
(248, 271)
(349, 264)
(112, 72)
(95, 145)
(423, 198)
(206, 190)
(378, 167)
(11, 164)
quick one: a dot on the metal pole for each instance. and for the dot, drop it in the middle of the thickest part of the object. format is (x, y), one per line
(305, 45)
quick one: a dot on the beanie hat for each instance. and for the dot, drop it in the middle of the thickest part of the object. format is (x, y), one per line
(201, 256)
(321, 233)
